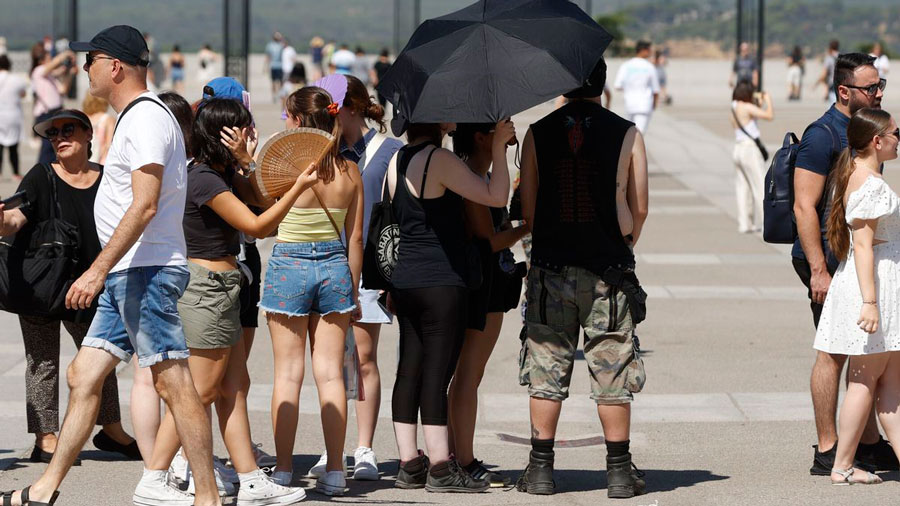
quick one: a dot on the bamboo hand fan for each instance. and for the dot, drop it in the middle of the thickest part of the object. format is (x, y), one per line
(286, 155)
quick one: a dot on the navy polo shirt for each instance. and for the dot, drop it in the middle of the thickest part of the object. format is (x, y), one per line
(817, 154)
(372, 171)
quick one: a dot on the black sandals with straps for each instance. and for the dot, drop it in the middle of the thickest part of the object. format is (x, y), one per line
(7, 498)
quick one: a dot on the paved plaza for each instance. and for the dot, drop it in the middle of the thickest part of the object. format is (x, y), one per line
(725, 416)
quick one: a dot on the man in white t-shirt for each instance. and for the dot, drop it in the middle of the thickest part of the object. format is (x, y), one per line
(638, 79)
(288, 59)
(343, 60)
(882, 62)
(138, 212)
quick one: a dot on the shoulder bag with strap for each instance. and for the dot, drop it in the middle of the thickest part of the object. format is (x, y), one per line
(37, 268)
(371, 148)
(381, 248)
(762, 148)
(352, 371)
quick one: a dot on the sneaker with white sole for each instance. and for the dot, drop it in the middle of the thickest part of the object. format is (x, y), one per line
(226, 488)
(179, 467)
(319, 469)
(332, 483)
(154, 490)
(283, 478)
(258, 490)
(365, 465)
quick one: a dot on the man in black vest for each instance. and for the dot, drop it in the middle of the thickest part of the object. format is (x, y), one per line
(584, 196)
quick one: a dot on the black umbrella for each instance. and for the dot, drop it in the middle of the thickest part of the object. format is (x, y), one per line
(491, 60)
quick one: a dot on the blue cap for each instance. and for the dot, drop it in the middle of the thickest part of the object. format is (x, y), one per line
(224, 87)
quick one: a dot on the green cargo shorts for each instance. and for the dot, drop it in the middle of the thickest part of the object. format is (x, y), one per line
(560, 305)
(210, 308)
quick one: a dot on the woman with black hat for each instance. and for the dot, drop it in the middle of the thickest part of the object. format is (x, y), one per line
(76, 181)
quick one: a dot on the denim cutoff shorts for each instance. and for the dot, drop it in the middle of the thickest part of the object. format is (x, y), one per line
(138, 313)
(308, 277)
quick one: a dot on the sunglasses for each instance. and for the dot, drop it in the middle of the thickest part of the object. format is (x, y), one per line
(896, 133)
(871, 89)
(66, 131)
(89, 59)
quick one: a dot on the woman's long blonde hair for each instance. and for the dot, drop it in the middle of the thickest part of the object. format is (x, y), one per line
(864, 125)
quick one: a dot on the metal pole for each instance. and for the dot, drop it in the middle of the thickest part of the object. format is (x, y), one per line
(245, 49)
(589, 7)
(73, 35)
(396, 26)
(417, 9)
(760, 50)
(740, 26)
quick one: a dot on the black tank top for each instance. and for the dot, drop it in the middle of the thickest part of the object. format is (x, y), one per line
(575, 221)
(432, 232)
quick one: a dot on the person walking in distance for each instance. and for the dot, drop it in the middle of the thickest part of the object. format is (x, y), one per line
(141, 272)
(826, 78)
(274, 49)
(747, 107)
(857, 86)
(745, 69)
(639, 80)
(584, 198)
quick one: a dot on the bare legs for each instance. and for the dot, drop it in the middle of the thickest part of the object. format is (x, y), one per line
(366, 335)
(289, 347)
(327, 335)
(476, 350)
(231, 408)
(824, 384)
(145, 411)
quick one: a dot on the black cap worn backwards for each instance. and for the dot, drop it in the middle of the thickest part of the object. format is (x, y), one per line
(122, 42)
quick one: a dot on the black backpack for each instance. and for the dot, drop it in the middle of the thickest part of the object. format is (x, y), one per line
(779, 224)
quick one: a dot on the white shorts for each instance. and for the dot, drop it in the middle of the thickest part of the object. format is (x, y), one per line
(372, 310)
(640, 120)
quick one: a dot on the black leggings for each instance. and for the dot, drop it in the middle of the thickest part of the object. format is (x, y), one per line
(432, 327)
(13, 157)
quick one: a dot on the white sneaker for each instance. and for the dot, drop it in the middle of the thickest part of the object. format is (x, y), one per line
(365, 465)
(319, 469)
(179, 467)
(283, 478)
(332, 483)
(228, 474)
(226, 488)
(258, 490)
(154, 490)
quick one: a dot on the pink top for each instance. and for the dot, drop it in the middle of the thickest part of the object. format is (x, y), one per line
(47, 96)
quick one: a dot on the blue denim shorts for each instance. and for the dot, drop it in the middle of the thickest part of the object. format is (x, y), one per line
(138, 313)
(308, 277)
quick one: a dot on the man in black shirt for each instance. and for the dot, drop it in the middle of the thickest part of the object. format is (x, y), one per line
(584, 197)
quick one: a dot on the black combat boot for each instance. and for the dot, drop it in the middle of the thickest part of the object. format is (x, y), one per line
(537, 478)
(623, 479)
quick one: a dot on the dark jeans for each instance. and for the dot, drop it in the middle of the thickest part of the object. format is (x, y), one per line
(801, 266)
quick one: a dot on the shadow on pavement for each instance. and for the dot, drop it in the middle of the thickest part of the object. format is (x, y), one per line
(658, 480)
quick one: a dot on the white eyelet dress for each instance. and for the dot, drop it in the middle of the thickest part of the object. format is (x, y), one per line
(838, 332)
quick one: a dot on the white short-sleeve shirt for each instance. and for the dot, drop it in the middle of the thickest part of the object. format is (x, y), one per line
(640, 81)
(147, 134)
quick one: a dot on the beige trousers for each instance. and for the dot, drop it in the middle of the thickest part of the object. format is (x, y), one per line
(750, 176)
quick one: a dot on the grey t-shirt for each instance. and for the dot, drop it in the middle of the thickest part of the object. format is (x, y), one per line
(206, 234)
(744, 68)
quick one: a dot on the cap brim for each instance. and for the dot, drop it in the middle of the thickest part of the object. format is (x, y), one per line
(82, 47)
(41, 128)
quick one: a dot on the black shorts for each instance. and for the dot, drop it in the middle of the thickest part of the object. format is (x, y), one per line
(250, 292)
(276, 74)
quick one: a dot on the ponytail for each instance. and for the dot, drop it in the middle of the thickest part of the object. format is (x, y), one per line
(837, 232)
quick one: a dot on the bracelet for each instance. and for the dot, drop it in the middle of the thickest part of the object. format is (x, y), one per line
(873, 302)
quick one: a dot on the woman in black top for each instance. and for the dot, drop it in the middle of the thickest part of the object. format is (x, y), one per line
(500, 292)
(209, 307)
(427, 188)
(77, 180)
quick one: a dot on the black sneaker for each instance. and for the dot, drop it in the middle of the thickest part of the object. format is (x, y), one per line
(624, 480)
(823, 461)
(537, 479)
(878, 456)
(107, 444)
(456, 479)
(477, 470)
(414, 473)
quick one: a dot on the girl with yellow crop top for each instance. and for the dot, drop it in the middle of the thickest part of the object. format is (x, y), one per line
(311, 287)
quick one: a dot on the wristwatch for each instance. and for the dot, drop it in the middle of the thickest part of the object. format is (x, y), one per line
(251, 167)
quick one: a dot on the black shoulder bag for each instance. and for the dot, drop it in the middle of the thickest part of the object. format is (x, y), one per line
(38, 267)
(383, 241)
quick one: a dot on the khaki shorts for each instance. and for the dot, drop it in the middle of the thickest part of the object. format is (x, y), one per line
(560, 305)
(210, 308)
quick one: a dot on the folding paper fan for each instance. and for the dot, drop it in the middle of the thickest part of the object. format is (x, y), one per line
(286, 155)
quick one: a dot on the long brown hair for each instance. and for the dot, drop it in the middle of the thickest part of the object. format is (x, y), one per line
(359, 100)
(864, 125)
(310, 105)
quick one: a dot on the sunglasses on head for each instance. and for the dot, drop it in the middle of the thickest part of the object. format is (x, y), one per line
(871, 89)
(89, 59)
(66, 131)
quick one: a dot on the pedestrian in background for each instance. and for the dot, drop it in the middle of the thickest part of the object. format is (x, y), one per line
(176, 69)
(379, 69)
(103, 125)
(745, 67)
(51, 78)
(882, 62)
(638, 79)
(12, 91)
(273, 63)
(796, 68)
(826, 78)
(747, 107)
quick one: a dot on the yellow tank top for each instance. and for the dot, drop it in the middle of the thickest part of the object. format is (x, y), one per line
(310, 225)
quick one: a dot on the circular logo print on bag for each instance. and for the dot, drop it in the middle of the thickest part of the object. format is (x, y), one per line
(387, 250)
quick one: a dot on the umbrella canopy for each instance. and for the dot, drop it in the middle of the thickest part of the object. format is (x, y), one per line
(491, 60)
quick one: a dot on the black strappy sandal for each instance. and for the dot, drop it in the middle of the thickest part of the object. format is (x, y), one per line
(7, 498)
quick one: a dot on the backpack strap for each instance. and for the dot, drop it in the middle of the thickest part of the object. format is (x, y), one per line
(136, 102)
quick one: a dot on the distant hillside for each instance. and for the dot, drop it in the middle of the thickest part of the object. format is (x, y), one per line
(370, 23)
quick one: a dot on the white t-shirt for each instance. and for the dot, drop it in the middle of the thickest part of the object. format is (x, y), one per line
(147, 134)
(883, 65)
(12, 88)
(638, 78)
(288, 59)
(343, 61)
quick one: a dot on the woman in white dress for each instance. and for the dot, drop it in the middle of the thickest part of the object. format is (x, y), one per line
(861, 316)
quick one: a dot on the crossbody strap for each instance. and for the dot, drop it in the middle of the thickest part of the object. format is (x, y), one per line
(371, 148)
(738, 122)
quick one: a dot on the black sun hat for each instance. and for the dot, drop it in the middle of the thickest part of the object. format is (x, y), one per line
(121, 41)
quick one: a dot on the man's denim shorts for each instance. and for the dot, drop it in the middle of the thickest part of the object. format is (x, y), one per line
(308, 277)
(138, 312)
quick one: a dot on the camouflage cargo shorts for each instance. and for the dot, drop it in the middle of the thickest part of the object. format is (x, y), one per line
(560, 305)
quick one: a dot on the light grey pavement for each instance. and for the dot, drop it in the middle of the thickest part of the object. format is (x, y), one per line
(725, 416)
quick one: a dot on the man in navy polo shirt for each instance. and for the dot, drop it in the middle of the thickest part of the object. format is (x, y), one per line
(857, 86)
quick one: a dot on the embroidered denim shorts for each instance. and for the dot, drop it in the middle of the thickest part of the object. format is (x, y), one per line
(308, 277)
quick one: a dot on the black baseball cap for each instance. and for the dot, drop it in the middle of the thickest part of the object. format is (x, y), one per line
(121, 41)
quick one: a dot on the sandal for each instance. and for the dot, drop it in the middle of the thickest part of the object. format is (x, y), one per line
(871, 479)
(7, 498)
